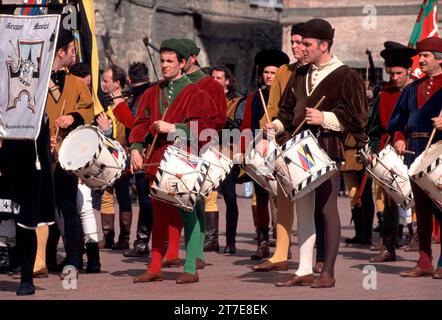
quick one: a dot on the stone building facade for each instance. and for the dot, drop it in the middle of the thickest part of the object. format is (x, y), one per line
(231, 32)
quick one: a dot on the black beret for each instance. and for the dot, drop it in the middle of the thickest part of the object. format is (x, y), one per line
(271, 57)
(318, 29)
(64, 37)
(397, 55)
(296, 28)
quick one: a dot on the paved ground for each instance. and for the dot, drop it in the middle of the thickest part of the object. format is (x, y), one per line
(228, 277)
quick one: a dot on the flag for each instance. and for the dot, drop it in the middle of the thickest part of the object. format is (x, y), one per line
(89, 49)
(306, 157)
(425, 27)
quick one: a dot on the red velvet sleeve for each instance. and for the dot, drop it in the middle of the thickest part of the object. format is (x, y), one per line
(124, 115)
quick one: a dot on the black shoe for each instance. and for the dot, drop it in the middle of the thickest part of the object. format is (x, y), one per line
(25, 289)
(230, 249)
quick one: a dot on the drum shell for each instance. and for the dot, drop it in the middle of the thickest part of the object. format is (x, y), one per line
(398, 187)
(426, 172)
(106, 164)
(301, 165)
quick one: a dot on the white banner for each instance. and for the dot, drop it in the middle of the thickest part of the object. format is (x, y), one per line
(26, 56)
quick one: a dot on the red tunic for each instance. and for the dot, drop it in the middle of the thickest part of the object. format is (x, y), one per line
(216, 93)
(191, 104)
(387, 101)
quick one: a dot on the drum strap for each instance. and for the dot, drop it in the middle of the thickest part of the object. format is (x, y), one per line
(54, 90)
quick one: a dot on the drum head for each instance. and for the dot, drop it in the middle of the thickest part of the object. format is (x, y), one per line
(78, 148)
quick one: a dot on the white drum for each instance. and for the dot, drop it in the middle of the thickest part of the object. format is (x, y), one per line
(179, 178)
(91, 156)
(427, 172)
(256, 167)
(390, 172)
(220, 166)
(301, 165)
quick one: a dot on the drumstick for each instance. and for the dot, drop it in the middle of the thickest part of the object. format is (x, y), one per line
(149, 152)
(61, 114)
(145, 165)
(303, 121)
(431, 137)
(264, 106)
(409, 152)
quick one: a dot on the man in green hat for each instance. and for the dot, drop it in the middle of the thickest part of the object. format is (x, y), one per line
(188, 104)
(209, 206)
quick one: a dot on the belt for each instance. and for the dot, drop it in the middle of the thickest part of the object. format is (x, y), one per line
(416, 135)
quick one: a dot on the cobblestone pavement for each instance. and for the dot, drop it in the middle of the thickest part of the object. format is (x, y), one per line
(229, 277)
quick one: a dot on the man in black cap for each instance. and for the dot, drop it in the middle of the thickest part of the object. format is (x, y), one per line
(398, 61)
(415, 115)
(343, 110)
(268, 62)
(277, 96)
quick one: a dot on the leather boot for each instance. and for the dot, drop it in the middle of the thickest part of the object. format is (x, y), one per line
(123, 238)
(141, 244)
(107, 224)
(263, 250)
(211, 236)
(93, 258)
(357, 213)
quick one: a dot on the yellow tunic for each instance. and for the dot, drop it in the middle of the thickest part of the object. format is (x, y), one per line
(78, 99)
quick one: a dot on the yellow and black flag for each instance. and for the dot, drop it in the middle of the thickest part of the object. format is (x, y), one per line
(87, 46)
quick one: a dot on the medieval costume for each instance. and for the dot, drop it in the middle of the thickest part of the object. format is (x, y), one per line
(411, 121)
(395, 55)
(344, 109)
(187, 103)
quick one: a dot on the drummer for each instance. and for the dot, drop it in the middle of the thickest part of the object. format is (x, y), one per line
(209, 206)
(398, 61)
(267, 62)
(69, 92)
(418, 110)
(344, 108)
(187, 103)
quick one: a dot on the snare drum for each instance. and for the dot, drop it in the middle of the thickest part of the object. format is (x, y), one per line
(300, 165)
(256, 167)
(427, 172)
(94, 158)
(179, 178)
(220, 166)
(390, 172)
